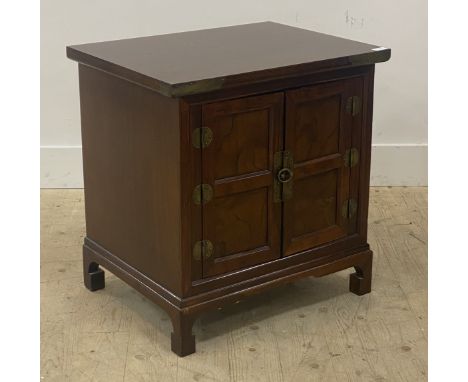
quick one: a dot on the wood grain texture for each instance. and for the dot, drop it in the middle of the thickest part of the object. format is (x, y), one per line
(242, 220)
(131, 163)
(318, 132)
(142, 163)
(310, 330)
(197, 62)
(140, 168)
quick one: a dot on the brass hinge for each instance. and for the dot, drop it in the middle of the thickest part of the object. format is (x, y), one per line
(351, 157)
(202, 137)
(202, 250)
(353, 105)
(202, 193)
(349, 208)
(283, 166)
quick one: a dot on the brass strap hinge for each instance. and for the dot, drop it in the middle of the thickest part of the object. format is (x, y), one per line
(349, 208)
(202, 193)
(202, 250)
(351, 157)
(283, 167)
(353, 105)
(202, 137)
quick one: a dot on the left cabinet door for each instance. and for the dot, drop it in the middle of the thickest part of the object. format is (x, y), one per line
(241, 221)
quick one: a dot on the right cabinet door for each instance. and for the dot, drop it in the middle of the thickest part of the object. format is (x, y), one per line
(320, 123)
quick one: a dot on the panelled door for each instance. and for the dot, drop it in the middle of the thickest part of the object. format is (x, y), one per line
(276, 174)
(241, 223)
(318, 135)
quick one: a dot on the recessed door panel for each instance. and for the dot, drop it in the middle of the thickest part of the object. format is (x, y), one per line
(241, 220)
(242, 143)
(317, 128)
(237, 226)
(315, 196)
(318, 133)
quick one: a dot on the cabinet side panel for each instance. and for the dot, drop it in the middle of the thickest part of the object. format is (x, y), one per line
(131, 160)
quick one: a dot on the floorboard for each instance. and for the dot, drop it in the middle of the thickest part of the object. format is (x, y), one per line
(310, 330)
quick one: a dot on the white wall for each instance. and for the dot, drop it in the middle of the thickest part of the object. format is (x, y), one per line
(400, 107)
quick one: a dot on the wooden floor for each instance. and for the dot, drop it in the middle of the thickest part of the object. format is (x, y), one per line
(311, 330)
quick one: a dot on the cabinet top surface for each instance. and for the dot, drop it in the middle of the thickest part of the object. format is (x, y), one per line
(194, 62)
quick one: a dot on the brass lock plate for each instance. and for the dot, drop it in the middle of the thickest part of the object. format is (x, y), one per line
(283, 165)
(288, 163)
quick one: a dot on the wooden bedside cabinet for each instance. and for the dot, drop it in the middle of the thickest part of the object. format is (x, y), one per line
(221, 162)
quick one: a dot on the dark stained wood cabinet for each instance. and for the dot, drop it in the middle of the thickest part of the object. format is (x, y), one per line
(222, 162)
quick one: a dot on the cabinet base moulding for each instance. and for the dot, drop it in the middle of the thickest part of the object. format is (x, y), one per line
(180, 310)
